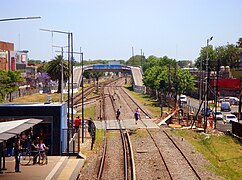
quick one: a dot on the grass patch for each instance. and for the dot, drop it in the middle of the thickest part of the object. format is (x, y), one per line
(97, 145)
(151, 104)
(40, 98)
(112, 134)
(139, 133)
(99, 137)
(90, 112)
(223, 152)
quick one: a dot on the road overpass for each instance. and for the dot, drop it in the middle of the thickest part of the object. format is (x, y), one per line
(135, 72)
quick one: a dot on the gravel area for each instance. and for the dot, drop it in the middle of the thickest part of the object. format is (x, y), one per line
(113, 166)
(91, 166)
(199, 163)
(176, 163)
(148, 162)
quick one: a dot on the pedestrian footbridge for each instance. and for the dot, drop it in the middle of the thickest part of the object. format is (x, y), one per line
(135, 72)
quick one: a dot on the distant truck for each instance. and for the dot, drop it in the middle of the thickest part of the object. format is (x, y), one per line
(225, 106)
(183, 98)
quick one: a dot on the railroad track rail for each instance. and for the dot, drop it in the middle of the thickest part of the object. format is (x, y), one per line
(100, 171)
(126, 144)
(87, 91)
(132, 103)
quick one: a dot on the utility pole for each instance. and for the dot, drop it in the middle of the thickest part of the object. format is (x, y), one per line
(201, 81)
(216, 94)
(70, 43)
(141, 58)
(133, 55)
(82, 101)
(206, 87)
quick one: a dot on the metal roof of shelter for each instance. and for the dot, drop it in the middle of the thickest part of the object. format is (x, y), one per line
(31, 104)
(10, 129)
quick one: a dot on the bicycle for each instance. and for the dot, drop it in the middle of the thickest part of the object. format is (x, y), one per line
(26, 156)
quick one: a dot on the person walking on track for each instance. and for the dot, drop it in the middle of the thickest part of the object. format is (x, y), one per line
(136, 116)
(118, 114)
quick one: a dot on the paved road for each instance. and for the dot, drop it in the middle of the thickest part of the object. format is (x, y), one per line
(220, 124)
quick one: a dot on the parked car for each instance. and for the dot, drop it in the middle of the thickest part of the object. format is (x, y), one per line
(231, 100)
(225, 106)
(221, 100)
(234, 100)
(230, 117)
(219, 115)
(183, 98)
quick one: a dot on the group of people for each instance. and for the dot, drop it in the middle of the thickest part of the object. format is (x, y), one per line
(136, 115)
(26, 141)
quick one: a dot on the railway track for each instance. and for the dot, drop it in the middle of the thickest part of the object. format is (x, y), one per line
(89, 90)
(168, 141)
(172, 162)
(126, 149)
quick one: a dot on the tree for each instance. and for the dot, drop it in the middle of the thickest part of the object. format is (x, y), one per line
(53, 69)
(34, 62)
(153, 76)
(150, 62)
(212, 55)
(166, 69)
(42, 67)
(185, 81)
(9, 82)
(228, 55)
(239, 43)
(137, 60)
(185, 64)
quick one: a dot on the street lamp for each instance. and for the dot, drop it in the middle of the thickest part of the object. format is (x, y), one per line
(206, 86)
(20, 18)
(70, 50)
(82, 101)
(81, 60)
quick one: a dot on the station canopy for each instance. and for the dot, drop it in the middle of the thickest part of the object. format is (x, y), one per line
(10, 129)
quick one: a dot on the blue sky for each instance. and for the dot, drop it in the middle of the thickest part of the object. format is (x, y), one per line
(108, 29)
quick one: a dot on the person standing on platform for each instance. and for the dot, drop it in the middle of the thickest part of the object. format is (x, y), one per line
(77, 123)
(92, 131)
(34, 149)
(17, 148)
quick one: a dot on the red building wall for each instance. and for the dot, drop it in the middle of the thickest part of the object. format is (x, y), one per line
(5, 46)
(231, 83)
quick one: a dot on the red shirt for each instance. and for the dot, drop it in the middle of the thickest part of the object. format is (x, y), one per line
(77, 121)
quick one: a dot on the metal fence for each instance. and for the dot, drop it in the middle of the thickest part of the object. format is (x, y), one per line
(71, 146)
(20, 93)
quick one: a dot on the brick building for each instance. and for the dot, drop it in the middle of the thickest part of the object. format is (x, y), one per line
(5, 48)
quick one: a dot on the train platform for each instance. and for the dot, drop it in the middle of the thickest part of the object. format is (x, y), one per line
(127, 124)
(58, 167)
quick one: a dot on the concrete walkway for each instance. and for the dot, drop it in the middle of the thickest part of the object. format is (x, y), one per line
(58, 167)
(126, 124)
